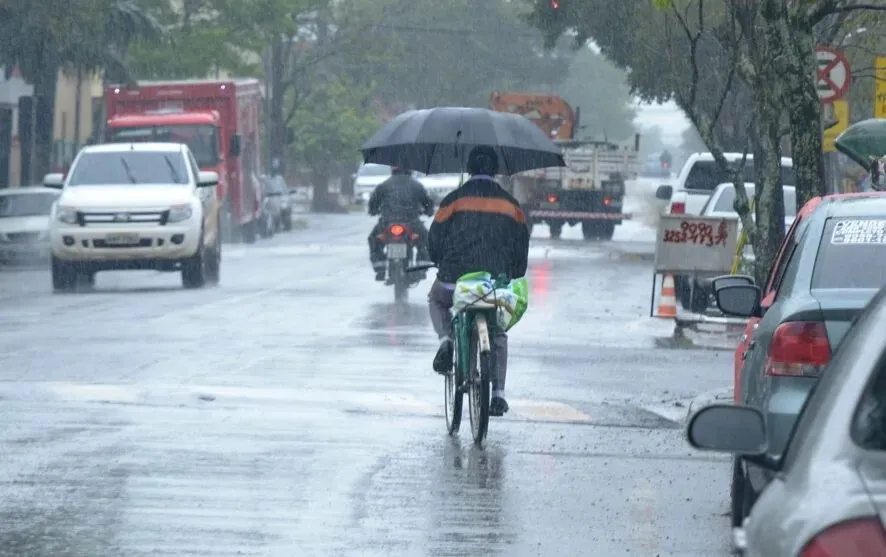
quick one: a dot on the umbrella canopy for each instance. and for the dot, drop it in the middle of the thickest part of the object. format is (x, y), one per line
(438, 140)
(864, 142)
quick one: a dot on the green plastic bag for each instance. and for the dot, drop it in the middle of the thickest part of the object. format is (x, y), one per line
(511, 302)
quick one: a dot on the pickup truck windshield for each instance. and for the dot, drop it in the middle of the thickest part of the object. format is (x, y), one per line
(202, 140)
(129, 167)
(707, 175)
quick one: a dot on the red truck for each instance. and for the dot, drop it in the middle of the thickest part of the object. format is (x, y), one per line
(220, 120)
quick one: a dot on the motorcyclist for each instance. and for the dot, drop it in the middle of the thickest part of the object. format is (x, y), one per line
(478, 227)
(401, 198)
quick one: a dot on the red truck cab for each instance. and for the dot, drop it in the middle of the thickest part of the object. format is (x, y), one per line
(220, 121)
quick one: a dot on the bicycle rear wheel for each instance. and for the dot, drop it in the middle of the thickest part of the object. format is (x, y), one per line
(479, 379)
(453, 395)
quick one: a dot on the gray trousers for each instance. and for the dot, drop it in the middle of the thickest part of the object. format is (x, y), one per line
(439, 304)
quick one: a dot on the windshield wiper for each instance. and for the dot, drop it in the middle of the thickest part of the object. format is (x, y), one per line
(129, 173)
(172, 169)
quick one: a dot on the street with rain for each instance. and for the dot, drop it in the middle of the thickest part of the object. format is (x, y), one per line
(216, 327)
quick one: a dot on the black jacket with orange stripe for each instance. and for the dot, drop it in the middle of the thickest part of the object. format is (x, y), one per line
(479, 227)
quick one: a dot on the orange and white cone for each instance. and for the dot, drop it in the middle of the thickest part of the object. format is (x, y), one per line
(667, 302)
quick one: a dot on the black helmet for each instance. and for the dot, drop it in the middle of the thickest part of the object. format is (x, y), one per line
(483, 160)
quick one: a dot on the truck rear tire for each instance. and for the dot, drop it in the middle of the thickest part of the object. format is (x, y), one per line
(556, 229)
(590, 230)
(607, 230)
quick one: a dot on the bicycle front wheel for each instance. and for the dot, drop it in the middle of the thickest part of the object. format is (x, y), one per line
(453, 394)
(479, 379)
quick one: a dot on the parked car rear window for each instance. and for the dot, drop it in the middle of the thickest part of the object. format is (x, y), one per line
(707, 175)
(852, 254)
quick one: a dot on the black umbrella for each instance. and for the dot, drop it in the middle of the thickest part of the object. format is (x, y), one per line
(438, 140)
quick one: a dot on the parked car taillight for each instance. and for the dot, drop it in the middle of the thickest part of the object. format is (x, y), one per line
(798, 348)
(860, 537)
(678, 208)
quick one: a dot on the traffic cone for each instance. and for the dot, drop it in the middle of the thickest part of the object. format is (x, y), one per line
(667, 302)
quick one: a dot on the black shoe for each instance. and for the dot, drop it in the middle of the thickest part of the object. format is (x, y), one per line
(498, 406)
(380, 275)
(443, 359)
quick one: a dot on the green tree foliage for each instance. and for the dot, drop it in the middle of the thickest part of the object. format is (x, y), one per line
(196, 42)
(459, 52)
(42, 38)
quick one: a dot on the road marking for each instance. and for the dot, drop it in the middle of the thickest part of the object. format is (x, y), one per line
(643, 507)
(380, 403)
(93, 392)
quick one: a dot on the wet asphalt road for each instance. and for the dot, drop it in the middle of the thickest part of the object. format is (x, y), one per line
(292, 411)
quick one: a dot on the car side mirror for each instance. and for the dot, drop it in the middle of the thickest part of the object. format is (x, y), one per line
(54, 180)
(235, 147)
(729, 280)
(739, 300)
(664, 192)
(728, 428)
(207, 179)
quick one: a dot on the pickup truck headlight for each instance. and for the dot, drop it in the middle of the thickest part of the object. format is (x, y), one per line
(66, 215)
(180, 213)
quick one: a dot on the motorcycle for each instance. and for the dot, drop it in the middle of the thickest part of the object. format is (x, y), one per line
(400, 247)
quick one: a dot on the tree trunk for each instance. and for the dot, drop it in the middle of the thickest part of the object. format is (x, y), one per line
(45, 87)
(769, 196)
(324, 201)
(78, 105)
(277, 132)
(804, 109)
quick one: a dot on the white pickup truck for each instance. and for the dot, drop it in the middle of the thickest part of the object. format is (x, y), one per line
(697, 180)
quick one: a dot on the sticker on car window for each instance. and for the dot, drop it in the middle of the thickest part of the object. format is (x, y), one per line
(859, 231)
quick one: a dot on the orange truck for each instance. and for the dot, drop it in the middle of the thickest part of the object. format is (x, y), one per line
(590, 189)
(220, 120)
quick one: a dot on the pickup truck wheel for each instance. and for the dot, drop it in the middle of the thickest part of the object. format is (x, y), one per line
(556, 229)
(213, 263)
(607, 230)
(64, 277)
(590, 230)
(194, 271)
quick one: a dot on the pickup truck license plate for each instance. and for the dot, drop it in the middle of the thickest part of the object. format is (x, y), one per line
(122, 239)
(396, 251)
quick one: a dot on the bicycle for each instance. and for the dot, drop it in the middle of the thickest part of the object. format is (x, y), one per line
(474, 327)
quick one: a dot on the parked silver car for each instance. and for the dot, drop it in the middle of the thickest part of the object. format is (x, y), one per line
(24, 223)
(828, 490)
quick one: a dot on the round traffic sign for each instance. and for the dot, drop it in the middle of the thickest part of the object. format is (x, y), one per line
(834, 74)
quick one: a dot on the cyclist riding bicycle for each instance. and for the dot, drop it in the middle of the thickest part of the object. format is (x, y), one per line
(478, 227)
